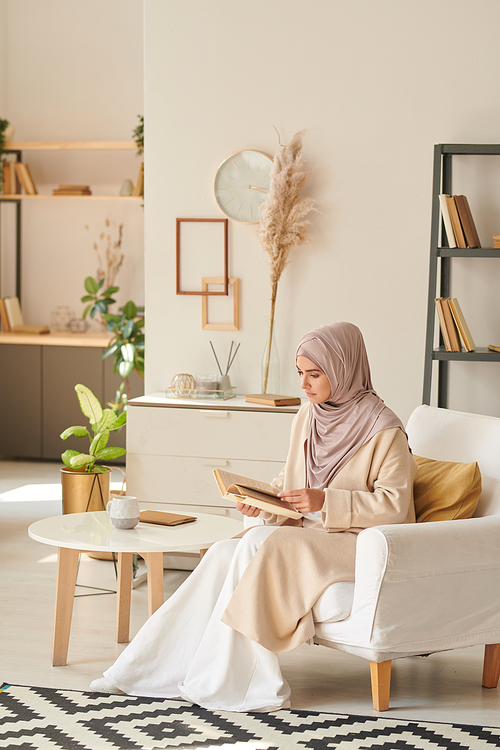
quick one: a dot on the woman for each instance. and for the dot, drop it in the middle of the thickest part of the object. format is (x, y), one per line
(215, 641)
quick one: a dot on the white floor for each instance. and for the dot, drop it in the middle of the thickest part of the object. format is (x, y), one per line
(442, 687)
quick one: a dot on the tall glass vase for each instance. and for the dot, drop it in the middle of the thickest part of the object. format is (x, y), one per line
(270, 363)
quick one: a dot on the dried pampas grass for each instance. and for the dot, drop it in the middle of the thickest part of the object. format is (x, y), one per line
(282, 223)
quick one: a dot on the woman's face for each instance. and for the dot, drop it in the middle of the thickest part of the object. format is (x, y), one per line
(313, 381)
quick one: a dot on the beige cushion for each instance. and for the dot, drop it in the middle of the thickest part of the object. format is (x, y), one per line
(444, 490)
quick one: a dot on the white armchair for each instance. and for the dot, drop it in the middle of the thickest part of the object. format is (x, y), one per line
(426, 587)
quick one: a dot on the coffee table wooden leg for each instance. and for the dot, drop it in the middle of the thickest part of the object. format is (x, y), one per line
(123, 594)
(67, 568)
(154, 562)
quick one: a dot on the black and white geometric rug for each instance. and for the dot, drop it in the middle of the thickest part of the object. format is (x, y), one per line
(46, 719)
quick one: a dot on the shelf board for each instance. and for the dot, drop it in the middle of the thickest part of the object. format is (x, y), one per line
(70, 146)
(93, 338)
(480, 354)
(468, 252)
(72, 197)
(471, 149)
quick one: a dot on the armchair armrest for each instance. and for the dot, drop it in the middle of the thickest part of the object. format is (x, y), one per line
(429, 586)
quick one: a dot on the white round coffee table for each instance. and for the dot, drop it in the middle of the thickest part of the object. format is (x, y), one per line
(93, 532)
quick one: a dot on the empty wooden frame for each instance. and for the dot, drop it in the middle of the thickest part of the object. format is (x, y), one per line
(235, 325)
(224, 281)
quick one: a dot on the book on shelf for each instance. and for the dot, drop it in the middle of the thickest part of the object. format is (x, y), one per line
(271, 399)
(6, 190)
(447, 221)
(72, 190)
(3, 317)
(13, 311)
(139, 185)
(468, 226)
(260, 495)
(29, 329)
(449, 330)
(25, 178)
(461, 324)
(459, 225)
(455, 222)
(11, 185)
(11, 317)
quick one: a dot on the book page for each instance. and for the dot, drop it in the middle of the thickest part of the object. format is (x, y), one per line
(227, 479)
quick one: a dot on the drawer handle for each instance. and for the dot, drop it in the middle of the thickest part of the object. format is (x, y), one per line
(218, 464)
(214, 413)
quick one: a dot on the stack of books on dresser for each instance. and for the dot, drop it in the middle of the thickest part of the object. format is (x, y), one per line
(72, 190)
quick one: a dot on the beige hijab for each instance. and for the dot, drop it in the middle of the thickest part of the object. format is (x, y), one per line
(353, 412)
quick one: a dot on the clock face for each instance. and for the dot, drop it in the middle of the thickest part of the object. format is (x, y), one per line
(242, 183)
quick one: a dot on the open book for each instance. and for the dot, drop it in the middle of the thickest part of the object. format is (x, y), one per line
(251, 492)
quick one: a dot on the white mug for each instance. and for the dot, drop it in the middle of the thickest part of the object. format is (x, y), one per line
(123, 511)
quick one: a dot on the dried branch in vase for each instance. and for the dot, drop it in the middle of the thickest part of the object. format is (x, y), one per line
(282, 223)
(110, 257)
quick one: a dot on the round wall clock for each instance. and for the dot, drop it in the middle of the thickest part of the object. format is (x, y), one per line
(242, 183)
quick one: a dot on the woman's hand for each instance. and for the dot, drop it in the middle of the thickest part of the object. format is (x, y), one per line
(306, 500)
(248, 510)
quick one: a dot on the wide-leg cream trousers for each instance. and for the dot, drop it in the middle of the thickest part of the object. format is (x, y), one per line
(184, 650)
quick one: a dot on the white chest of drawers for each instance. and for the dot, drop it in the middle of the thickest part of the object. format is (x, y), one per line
(173, 445)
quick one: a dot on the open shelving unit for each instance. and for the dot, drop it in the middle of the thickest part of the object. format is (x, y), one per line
(18, 147)
(440, 270)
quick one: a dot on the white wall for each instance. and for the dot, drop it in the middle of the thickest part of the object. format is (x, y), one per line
(72, 71)
(375, 85)
(3, 56)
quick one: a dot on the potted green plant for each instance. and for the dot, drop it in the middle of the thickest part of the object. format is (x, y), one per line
(85, 484)
(127, 345)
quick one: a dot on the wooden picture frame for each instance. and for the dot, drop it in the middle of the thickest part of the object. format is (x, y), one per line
(225, 280)
(235, 325)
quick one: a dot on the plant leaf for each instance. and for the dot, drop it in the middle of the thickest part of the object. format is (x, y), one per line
(108, 417)
(111, 350)
(125, 368)
(108, 454)
(119, 421)
(99, 442)
(68, 455)
(82, 459)
(128, 352)
(130, 310)
(78, 431)
(91, 285)
(89, 404)
(100, 470)
(129, 330)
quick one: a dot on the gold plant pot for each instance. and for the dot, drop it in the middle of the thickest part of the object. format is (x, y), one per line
(83, 491)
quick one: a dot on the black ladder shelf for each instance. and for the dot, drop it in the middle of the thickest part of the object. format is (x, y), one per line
(442, 183)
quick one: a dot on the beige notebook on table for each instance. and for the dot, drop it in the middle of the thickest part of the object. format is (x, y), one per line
(163, 518)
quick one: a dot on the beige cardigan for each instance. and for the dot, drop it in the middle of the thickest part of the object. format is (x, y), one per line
(272, 603)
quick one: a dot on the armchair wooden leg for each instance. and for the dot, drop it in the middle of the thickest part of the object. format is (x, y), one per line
(381, 684)
(491, 668)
